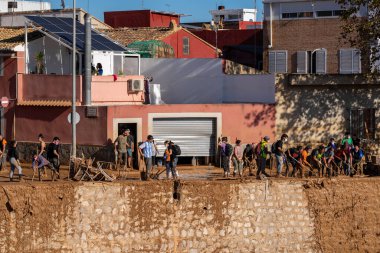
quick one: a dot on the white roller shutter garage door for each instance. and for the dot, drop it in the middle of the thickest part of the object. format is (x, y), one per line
(195, 136)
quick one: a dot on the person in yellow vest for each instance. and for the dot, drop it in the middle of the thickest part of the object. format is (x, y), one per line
(264, 155)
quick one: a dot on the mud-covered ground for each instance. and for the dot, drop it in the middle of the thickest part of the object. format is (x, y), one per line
(188, 173)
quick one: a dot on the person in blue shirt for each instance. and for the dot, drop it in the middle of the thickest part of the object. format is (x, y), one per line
(146, 153)
(357, 160)
(99, 69)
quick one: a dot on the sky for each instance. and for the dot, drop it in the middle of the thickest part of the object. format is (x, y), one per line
(198, 10)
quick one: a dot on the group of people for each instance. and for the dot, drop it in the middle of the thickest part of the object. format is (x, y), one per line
(44, 156)
(148, 151)
(336, 158)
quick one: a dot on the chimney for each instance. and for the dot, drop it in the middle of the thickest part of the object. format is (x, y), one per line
(221, 7)
(87, 61)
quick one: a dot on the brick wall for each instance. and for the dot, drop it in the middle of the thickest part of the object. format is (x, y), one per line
(306, 35)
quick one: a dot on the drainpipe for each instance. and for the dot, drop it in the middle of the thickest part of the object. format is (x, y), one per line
(87, 61)
(271, 26)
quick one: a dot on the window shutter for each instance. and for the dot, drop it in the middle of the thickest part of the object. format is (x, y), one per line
(356, 66)
(345, 61)
(302, 62)
(320, 61)
(186, 45)
(272, 62)
(281, 62)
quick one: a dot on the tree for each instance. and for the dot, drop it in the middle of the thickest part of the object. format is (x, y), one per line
(363, 32)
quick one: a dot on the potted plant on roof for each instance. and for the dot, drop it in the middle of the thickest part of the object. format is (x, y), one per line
(40, 63)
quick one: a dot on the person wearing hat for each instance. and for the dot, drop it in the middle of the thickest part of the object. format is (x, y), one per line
(146, 152)
(264, 155)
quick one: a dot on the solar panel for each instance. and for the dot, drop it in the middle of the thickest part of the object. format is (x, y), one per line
(63, 28)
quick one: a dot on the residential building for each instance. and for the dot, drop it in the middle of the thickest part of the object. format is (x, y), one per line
(184, 43)
(321, 91)
(305, 37)
(18, 19)
(140, 18)
(20, 6)
(229, 18)
(241, 46)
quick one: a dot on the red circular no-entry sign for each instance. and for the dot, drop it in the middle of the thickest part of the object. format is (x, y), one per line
(4, 102)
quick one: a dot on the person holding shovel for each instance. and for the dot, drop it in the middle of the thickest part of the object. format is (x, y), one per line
(304, 160)
(146, 153)
(13, 160)
(317, 159)
(358, 159)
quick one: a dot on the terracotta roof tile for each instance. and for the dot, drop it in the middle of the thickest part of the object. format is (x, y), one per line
(10, 37)
(126, 36)
(54, 103)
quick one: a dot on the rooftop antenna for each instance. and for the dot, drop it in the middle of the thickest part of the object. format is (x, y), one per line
(168, 5)
(142, 4)
(63, 5)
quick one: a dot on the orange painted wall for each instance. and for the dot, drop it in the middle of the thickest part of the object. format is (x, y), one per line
(105, 90)
(198, 48)
(248, 122)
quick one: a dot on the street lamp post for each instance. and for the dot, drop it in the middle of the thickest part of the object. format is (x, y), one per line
(73, 104)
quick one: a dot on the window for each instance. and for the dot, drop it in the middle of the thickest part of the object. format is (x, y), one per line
(324, 13)
(186, 45)
(291, 15)
(319, 61)
(278, 61)
(311, 61)
(332, 13)
(233, 17)
(302, 62)
(1, 66)
(349, 61)
(363, 122)
(305, 14)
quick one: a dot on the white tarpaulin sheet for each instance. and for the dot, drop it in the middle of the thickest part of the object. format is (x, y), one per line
(202, 81)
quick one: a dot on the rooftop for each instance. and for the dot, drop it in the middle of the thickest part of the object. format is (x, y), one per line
(151, 11)
(126, 36)
(10, 37)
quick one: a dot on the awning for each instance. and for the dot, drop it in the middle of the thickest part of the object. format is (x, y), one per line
(53, 103)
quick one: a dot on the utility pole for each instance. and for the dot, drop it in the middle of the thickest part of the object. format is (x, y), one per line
(73, 104)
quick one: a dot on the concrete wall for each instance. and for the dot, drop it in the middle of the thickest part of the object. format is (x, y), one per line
(334, 216)
(106, 90)
(202, 81)
(314, 113)
(247, 122)
(47, 87)
(52, 121)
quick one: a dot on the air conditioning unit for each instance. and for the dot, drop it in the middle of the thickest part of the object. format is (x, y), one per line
(136, 85)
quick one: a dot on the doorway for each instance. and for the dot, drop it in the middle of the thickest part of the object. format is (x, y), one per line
(133, 128)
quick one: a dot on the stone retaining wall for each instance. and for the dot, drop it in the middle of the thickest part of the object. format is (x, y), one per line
(208, 216)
